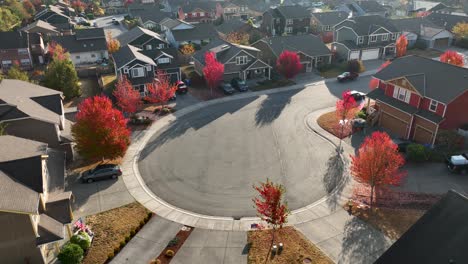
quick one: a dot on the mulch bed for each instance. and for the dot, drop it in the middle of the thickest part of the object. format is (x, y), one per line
(175, 244)
(330, 122)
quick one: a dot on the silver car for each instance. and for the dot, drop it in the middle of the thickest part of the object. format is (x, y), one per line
(101, 172)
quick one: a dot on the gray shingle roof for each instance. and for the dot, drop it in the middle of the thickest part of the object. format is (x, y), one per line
(150, 13)
(291, 12)
(440, 81)
(200, 31)
(207, 6)
(128, 53)
(16, 197)
(446, 21)
(229, 26)
(364, 25)
(136, 32)
(308, 44)
(370, 6)
(20, 93)
(49, 230)
(155, 53)
(90, 33)
(331, 18)
(40, 24)
(414, 25)
(13, 40)
(222, 56)
(87, 42)
(58, 207)
(379, 94)
(29, 148)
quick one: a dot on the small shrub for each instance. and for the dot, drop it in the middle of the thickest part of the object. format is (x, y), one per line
(169, 253)
(361, 114)
(82, 239)
(122, 244)
(150, 214)
(173, 242)
(127, 238)
(116, 250)
(110, 256)
(132, 233)
(416, 152)
(142, 223)
(70, 254)
(155, 261)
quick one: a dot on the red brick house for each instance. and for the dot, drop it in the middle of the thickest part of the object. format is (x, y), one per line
(417, 97)
(203, 12)
(21, 48)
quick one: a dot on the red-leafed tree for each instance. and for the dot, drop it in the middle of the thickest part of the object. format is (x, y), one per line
(78, 5)
(270, 205)
(37, 4)
(57, 52)
(288, 64)
(377, 163)
(128, 99)
(401, 45)
(346, 109)
(452, 57)
(29, 7)
(181, 14)
(374, 83)
(213, 71)
(161, 90)
(100, 131)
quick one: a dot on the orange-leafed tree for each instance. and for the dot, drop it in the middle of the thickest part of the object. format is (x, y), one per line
(452, 57)
(187, 49)
(288, 64)
(377, 163)
(461, 30)
(161, 90)
(57, 52)
(78, 5)
(241, 38)
(401, 45)
(213, 71)
(29, 7)
(113, 45)
(128, 99)
(270, 205)
(100, 131)
(374, 83)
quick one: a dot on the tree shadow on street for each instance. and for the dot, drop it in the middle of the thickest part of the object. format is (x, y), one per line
(362, 243)
(335, 179)
(272, 107)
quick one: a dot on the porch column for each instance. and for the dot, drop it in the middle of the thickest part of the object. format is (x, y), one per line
(269, 73)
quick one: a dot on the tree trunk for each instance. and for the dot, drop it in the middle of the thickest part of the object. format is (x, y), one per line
(371, 196)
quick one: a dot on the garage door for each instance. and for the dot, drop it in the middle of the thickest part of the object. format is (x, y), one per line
(354, 55)
(395, 125)
(422, 135)
(370, 54)
(441, 43)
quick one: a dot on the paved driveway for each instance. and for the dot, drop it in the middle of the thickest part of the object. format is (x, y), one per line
(106, 23)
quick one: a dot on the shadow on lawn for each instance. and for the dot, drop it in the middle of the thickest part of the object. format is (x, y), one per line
(335, 179)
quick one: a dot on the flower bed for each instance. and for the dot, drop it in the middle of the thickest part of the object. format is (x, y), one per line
(173, 246)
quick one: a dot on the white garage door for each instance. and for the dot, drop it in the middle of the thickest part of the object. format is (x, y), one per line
(354, 55)
(370, 54)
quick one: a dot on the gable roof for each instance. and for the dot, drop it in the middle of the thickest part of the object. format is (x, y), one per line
(172, 23)
(446, 21)
(16, 197)
(40, 24)
(207, 6)
(425, 5)
(136, 32)
(199, 31)
(330, 18)
(14, 40)
(439, 236)
(371, 6)
(433, 79)
(128, 53)
(90, 33)
(232, 25)
(225, 50)
(364, 25)
(168, 52)
(416, 25)
(84, 40)
(152, 13)
(293, 11)
(309, 44)
(28, 149)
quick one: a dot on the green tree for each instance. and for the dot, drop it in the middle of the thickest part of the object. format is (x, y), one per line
(61, 75)
(71, 254)
(16, 73)
(7, 19)
(17, 8)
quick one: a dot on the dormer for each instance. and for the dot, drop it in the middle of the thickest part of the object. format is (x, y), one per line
(163, 58)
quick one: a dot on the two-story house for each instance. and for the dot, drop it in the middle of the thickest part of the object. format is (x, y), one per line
(417, 97)
(86, 46)
(58, 16)
(22, 49)
(312, 51)
(142, 38)
(423, 31)
(446, 21)
(362, 8)
(201, 11)
(239, 61)
(42, 27)
(150, 17)
(365, 38)
(286, 20)
(232, 10)
(323, 23)
(179, 32)
(35, 212)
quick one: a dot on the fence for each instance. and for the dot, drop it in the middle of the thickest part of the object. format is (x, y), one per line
(92, 71)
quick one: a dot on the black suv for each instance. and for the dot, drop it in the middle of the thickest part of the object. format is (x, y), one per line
(101, 172)
(239, 84)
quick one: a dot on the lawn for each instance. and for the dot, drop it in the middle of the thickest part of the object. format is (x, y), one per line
(330, 122)
(296, 248)
(270, 84)
(110, 228)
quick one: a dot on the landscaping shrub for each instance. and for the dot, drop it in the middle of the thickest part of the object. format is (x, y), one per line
(142, 223)
(70, 254)
(173, 242)
(356, 66)
(116, 250)
(127, 238)
(132, 233)
(361, 114)
(122, 244)
(90, 16)
(170, 253)
(416, 152)
(110, 256)
(82, 239)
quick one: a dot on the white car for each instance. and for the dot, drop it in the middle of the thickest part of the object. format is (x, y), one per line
(458, 163)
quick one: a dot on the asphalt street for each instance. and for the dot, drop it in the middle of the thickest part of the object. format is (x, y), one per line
(106, 23)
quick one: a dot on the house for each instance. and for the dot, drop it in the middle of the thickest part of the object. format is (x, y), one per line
(180, 32)
(143, 39)
(114, 6)
(289, 20)
(365, 38)
(429, 6)
(58, 16)
(42, 27)
(239, 61)
(34, 112)
(35, 211)
(437, 237)
(86, 46)
(23, 49)
(422, 30)
(417, 97)
(311, 50)
(362, 8)
(167, 60)
(234, 11)
(446, 21)
(201, 11)
(238, 26)
(150, 17)
(324, 23)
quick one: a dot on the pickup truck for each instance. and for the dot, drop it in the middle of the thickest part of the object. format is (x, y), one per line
(347, 76)
(457, 163)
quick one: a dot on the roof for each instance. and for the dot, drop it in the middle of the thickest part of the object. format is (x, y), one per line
(330, 18)
(14, 40)
(90, 33)
(171, 52)
(16, 197)
(295, 11)
(128, 53)
(56, 170)
(439, 236)
(200, 31)
(424, 5)
(172, 23)
(379, 94)
(49, 230)
(40, 24)
(446, 21)
(22, 96)
(28, 149)
(309, 44)
(87, 43)
(204, 5)
(371, 6)
(229, 26)
(351, 45)
(416, 24)
(221, 56)
(433, 79)
(136, 32)
(364, 25)
(150, 14)
(58, 206)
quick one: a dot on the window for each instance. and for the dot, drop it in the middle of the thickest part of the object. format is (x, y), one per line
(326, 28)
(433, 105)
(23, 51)
(393, 36)
(373, 38)
(384, 37)
(84, 45)
(163, 60)
(149, 47)
(77, 57)
(161, 46)
(93, 55)
(241, 60)
(138, 72)
(289, 30)
(360, 40)
(148, 67)
(289, 21)
(194, 14)
(402, 94)
(25, 62)
(92, 44)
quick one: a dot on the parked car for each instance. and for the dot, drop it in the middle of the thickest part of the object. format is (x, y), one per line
(317, 4)
(402, 144)
(181, 87)
(457, 163)
(226, 88)
(347, 76)
(101, 172)
(239, 84)
(358, 96)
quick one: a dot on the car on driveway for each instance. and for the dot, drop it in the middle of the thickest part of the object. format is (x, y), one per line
(358, 96)
(345, 76)
(226, 88)
(239, 84)
(101, 172)
(181, 87)
(457, 163)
